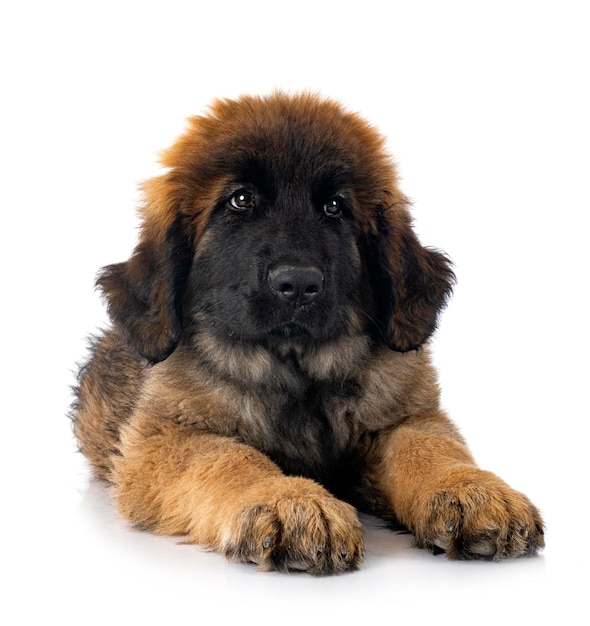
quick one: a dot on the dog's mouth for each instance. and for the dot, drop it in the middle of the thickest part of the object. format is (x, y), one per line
(290, 331)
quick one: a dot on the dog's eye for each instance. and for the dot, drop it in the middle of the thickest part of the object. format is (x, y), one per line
(333, 207)
(243, 200)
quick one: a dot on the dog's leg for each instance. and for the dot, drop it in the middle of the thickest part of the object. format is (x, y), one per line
(227, 496)
(436, 490)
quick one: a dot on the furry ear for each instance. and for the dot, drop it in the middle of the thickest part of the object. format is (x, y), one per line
(412, 285)
(144, 294)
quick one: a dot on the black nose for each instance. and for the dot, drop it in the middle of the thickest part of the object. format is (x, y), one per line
(296, 284)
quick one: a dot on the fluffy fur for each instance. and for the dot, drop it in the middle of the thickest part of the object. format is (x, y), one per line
(267, 371)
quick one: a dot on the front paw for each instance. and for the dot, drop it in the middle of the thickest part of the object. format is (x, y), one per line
(472, 514)
(295, 525)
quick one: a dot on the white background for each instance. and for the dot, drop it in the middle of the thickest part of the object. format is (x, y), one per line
(486, 108)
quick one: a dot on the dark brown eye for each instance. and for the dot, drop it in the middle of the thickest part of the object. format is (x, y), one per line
(333, 207)
(243, 200)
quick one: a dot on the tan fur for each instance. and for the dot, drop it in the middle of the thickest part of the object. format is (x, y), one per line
(184, 426)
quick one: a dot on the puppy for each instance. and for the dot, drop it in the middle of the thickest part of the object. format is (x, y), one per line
(267, 371)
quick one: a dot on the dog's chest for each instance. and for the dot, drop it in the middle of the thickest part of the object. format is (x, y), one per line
(307, 433)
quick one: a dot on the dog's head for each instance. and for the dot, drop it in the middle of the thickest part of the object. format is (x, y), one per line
(278, 219)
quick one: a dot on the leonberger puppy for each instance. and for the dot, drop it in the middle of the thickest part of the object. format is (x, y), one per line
(267, 372)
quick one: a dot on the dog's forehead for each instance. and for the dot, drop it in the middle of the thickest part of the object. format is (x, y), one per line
(285, 164)
(285, 148)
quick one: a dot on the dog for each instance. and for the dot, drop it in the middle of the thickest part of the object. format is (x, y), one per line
(267, 373)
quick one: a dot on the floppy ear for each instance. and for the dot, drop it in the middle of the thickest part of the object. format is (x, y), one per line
(412, 284)
(144, 294)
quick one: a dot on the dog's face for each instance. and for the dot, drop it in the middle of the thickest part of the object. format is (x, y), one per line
(280, 260)
(276, 266)
(279, 221)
